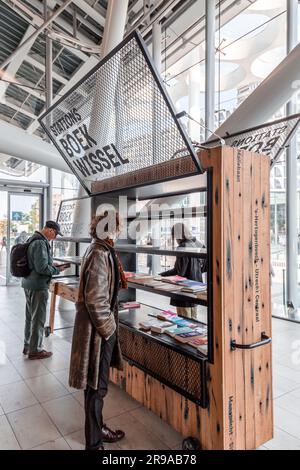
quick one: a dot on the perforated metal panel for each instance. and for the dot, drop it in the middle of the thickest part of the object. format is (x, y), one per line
(177, 371)
(118, 119)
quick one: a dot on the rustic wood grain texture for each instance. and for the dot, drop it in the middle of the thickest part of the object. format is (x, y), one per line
(238, 279)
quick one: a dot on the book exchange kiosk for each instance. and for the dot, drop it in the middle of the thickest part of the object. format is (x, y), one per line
(149, 184)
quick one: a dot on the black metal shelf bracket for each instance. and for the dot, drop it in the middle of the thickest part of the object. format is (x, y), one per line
(264, 340)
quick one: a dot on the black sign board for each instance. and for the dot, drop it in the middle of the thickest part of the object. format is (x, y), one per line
(270, 138)
(118, 118)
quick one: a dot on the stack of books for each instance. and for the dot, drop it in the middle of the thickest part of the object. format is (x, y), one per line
(169, 283)
(182, 330)
(154, 325)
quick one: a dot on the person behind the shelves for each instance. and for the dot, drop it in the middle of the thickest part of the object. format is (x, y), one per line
(186, 266)
(95, 344)
(149, 256)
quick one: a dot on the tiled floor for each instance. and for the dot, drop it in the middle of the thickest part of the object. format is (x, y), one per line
(38, 410)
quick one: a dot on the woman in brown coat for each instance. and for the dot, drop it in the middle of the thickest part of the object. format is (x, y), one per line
(95, 345)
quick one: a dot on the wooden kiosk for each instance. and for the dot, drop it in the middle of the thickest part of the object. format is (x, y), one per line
(119, 133)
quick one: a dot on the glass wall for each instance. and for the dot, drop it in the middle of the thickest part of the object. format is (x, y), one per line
(249, 46)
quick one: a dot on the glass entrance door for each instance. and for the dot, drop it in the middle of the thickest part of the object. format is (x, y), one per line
(24, 217)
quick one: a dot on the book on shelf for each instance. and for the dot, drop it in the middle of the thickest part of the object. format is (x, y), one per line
(166, 315)
(185, 337)
(176, 330)
(192, 286)
(179, 321)
(201, 295)
(129, 274)
(168, 287)
(196, 342)
(172, 279)
(140, 280)
(156, 326)
(203, 349)
(152, 283)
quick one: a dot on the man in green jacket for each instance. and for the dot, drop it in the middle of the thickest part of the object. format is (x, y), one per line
(36, 289)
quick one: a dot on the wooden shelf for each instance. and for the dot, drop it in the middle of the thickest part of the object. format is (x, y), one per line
(191, 252)
(133, 316)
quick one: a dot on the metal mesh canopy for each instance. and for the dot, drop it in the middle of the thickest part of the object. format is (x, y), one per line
(270, 139)
(118, 119)
(72, 217)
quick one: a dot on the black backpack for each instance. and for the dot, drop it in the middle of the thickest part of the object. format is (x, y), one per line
(19, 266)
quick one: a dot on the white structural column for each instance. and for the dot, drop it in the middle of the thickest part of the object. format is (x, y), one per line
(113, 35)
(291, 177)
(16, 142)
(194, 101)
(210, 28)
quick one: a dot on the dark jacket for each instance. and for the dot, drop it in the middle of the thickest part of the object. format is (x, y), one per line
(95, 319)
(41, 263)
(187, 266)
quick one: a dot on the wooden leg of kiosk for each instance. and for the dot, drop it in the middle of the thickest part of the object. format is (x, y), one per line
(52, 308)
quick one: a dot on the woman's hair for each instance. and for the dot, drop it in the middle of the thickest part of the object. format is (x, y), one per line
(181, 232)
(103, 225)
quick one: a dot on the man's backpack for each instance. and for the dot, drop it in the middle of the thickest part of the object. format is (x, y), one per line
(19, 265)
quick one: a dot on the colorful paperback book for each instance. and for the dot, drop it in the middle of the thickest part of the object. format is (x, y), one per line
(154, 325)
(165, 287)
(175, 330)
(152, 283)
(129, 274)
(196, 342)
(192, 286)
(182, 323)
(160, 327)
(202, 295)
(203, 349)
(167, 315)
(130, 305)
(141, 280)
(171, 330)
(191, 335)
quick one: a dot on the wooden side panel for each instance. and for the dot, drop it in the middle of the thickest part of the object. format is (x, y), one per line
(241, 296)
(240, 195)
(229, 264)
(216, 409)
(263, 366)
